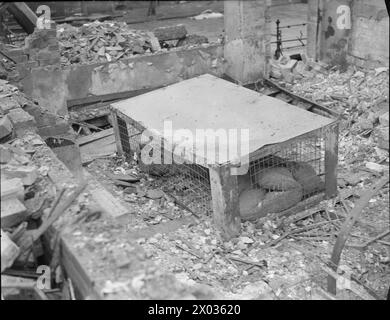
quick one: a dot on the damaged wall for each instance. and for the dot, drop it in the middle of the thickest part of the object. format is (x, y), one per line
(370, 31)
(52, 86)
(345, 31)
(246, 39)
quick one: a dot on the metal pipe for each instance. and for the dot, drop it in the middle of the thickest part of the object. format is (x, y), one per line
(293, 25)
(290, 40)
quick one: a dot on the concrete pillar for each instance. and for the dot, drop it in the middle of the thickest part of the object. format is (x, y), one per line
(246, 39)
(329, 29)
(313, 29)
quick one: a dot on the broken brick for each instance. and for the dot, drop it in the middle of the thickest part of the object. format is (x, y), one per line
(382, 137)
(5, 154)
(289, 65)
(13, 212)
(5, 127)
(170, 32)
(28, 174)
(384, 119)
(7, 104)
(9, 251)
(11, 188)
(21, 121)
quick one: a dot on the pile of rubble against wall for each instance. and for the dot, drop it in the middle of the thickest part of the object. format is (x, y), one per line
(360, 95)
(97, 42)
(20, 114)
(109, 41)
(8, 70)
(30, 204)
(24, 197)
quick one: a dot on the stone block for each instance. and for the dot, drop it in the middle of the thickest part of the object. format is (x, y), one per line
(41, 117)
(28, 174)
(44, 55)
(7, 104)
(12, 188)
(382, 137)
(13, 53)
(289, 65)
(13, 212)
(170, 33)
(21, 59)
(9, 251)
(58, 129)
(5, 127)
(53, 47)
(5, 154)
(384, 119)
(300, 68)
(49, 62)
(21, 121)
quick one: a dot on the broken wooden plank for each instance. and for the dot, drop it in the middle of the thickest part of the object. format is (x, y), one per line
(315, 105)
(260, 264)
(13, 212)
(95, 136)
(71, 257)
(123, 183)
(110, 205)
(23, 15)
(100, 148)
(77, 273)
(123, 177)
(349, 284)
(347, 225)
(58, 210)
(30, 236)
(74, 103)
(368, 242)
(17, 282)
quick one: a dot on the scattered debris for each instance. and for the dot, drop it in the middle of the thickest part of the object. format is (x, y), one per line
(101, 42)
(208, 14)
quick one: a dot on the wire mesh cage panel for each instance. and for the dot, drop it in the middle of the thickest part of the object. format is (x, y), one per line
(280, 176)
(187, 183)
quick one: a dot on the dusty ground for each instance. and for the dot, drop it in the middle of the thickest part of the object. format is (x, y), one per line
(256, 265)
(161, 251)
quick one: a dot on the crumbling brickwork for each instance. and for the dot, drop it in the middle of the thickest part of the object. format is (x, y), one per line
(364, 43)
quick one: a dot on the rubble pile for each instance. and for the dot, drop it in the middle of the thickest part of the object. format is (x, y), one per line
(101, 42)
(111, 40)
(25, 199)
(8, 70)
(20, 114)
(361, 97)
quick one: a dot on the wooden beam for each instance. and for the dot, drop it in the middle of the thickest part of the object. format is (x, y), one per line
(73, 103)
(95, 136)
(315, 107)
(348, 224)
(224, 192)
(115, 125)
(23, 15)
(331, 159)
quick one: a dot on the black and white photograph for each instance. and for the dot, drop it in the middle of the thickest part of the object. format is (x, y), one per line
(194, 155)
